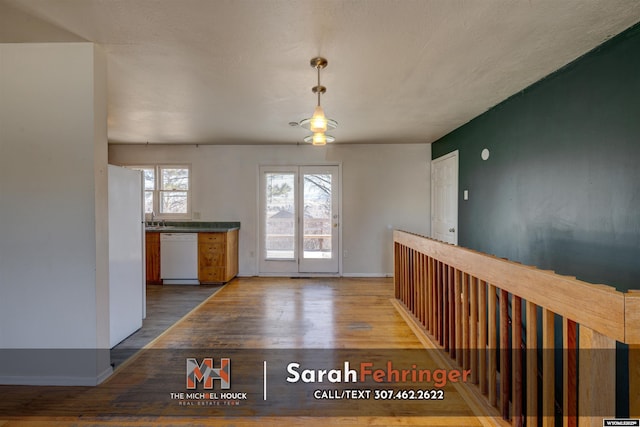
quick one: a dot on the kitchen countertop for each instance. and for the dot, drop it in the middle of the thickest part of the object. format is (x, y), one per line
(193, 227)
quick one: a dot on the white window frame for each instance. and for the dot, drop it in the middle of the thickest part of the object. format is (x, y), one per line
(157, 167)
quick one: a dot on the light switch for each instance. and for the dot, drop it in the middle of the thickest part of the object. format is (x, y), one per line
(465, 195)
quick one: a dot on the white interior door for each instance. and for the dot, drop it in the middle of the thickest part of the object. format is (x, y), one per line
(444, 198)
(300, 219)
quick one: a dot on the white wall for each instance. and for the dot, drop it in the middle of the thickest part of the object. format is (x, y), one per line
(384, 187)
(53, 218)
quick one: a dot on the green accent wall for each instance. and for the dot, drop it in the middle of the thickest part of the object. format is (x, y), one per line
(561, 188)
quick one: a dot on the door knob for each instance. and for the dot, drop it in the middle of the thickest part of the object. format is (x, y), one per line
(452, 230)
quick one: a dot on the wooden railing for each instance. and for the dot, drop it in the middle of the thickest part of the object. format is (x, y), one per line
(485, 313)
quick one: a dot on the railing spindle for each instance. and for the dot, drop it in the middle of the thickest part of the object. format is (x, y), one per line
(570, 374)
(482, 345)
(516, 358)
(548, 369)
(505, 368)
(423, 290)
(403, 265)
(493, 346)
(473, 332)
(432, 293)
(634, 380)
(532, 364)
(434, 298)
(436, 301)
(457, 291)
(441, 301)
(407, 276)
(453, 312)
(415, 283)
(465, 321)
(445, 308)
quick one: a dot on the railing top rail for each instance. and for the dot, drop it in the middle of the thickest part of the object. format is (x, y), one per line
(599, 307)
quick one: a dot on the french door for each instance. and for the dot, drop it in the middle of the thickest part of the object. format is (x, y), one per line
(299, 219)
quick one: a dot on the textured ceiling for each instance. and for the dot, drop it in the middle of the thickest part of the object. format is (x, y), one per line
(237, 71)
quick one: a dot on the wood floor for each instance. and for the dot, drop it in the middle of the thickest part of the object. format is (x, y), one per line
(255, 318)
(165, 306)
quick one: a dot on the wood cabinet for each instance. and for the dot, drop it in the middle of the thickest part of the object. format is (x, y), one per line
(152, 249)
(217, 256)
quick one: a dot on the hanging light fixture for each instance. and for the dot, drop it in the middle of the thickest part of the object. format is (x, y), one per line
(318, 123)
(319, 138)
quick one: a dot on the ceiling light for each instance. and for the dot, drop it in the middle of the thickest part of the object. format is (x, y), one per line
(318, 123)
(319, 138)
(318, 120)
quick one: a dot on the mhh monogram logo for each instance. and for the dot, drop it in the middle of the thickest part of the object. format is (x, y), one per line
(205, 372)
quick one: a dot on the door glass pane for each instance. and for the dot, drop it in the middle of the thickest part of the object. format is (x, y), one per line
(280, 215)
(317, 225)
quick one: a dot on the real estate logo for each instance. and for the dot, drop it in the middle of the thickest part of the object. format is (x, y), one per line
(205, 372)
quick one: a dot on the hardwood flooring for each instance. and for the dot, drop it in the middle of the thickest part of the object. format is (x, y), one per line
(316, 322)
(165, 306)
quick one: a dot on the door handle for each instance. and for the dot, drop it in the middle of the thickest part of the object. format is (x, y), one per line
(452, 230)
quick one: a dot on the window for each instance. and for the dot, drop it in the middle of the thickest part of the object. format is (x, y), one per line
(166, 190)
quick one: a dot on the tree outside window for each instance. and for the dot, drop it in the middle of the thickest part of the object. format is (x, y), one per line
(166, 190)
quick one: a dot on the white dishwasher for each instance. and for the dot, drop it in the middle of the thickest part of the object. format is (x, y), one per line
(179, 258)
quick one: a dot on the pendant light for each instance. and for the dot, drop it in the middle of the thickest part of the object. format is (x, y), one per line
(318, 123)
(319, 138)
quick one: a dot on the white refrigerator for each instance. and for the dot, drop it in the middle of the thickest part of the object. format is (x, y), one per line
(127, 297)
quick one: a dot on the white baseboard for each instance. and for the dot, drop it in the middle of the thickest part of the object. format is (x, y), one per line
(299, 275)
(56, 380)
(55, 366)
(104, 375)
(180, 282)
(367, 275)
